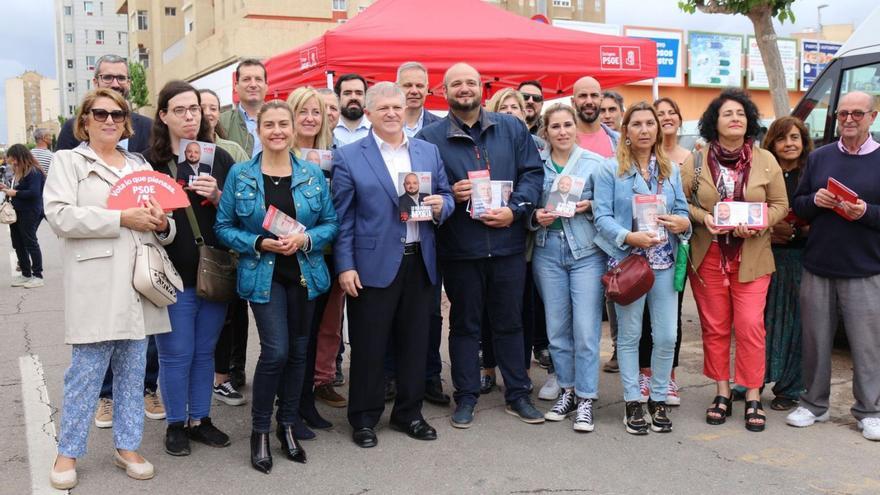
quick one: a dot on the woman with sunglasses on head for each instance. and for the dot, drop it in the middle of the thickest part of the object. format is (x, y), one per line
(186, 355)
(98, 255)
(280, 274)
(642, 168)
(27, 200)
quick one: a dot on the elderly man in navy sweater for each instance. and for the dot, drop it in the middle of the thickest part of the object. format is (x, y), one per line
(842, 266)
(482, 259)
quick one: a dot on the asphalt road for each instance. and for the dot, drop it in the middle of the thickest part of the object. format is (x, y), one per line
(498, 454)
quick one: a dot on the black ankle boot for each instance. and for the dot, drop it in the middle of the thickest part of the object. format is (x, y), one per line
(289, 444)
(261, 456)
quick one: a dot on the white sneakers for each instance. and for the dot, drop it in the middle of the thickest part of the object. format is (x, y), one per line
(551, 389)
(870, 428)
(802, 417)
(18, 281)
(27, 282)
(136, 470)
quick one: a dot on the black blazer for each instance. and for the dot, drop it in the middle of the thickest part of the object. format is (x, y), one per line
(138, 143)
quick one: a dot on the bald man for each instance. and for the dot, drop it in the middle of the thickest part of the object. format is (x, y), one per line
(593, 135)
(842, 266)
(482, 259)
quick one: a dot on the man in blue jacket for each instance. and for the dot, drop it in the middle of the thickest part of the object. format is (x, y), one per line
(387, 267)
(482, 259)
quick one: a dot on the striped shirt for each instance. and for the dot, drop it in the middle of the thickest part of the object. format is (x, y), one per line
(44, 157)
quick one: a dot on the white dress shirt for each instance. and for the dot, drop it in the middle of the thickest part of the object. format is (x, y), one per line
(396, 161)
(344, 135)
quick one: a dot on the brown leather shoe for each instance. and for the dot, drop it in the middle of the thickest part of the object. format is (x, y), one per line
(328, 395)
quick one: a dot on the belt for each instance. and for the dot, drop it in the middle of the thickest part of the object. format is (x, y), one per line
(412, 248)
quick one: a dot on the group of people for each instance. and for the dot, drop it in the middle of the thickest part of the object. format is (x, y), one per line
(521, 279)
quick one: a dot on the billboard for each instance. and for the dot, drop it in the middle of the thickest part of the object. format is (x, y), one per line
(815, 55)
(757, 75)
(670, 47)
(715, 60)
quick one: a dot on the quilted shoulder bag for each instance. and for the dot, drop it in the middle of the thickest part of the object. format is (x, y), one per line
(155, 276)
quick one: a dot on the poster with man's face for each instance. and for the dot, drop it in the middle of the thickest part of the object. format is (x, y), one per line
(324, 158)
(564, 194)
(412, 188)
(729, 214)
(199, 155)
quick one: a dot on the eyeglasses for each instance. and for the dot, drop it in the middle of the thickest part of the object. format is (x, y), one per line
(108, 78)
(535, 98)
(856, 115)
(195, 110)
(100, 115)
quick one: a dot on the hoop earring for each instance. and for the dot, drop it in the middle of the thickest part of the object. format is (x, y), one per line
(627, 142)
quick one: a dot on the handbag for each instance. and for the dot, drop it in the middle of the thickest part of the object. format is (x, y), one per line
(631, 279)
(154, 275)
(217, 270)
(7, 213)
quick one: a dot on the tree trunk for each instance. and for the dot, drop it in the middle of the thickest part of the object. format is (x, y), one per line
(765, 35)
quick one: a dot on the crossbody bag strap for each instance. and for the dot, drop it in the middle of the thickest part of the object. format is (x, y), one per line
(190, 214)
(698, 169)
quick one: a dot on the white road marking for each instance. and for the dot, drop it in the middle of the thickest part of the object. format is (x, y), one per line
(13, 262)
(40, 428)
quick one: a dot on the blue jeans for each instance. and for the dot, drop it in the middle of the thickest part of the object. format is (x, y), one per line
(283, 324)
(186, 356)
(82, 382)
(572, 293)
(662, 302)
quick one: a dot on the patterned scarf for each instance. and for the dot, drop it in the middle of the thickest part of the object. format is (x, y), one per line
(739, 162)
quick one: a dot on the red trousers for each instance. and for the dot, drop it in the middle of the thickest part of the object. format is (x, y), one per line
(737, 308)
(329, 336)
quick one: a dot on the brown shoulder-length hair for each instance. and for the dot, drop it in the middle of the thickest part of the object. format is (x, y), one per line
(625, 156)
(779, 129)
(160, 139)
(85, 109)
(24, 160)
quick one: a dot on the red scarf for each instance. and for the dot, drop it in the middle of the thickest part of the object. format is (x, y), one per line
(739, 162)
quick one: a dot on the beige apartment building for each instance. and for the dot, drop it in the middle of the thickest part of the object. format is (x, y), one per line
(201, 41)
(32, 102)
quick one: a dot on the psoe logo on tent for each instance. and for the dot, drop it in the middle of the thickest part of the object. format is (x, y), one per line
(620, 58)
(308, 58)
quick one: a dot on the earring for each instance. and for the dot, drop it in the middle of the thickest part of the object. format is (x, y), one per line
(627, 142)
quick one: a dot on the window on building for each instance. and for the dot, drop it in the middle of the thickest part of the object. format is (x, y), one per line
(101, 9)
(90, 62)
(189, 23)
(89, 8)
(143, 57)
(142, 20)
(88, 84)
(71, 86)
(99, 37)
(562, 3)
(340, 4)
(86, 35)
(71, 109)
(170, 11)
(68, 37)
(70, 63)
(122, 37)
(68, 10)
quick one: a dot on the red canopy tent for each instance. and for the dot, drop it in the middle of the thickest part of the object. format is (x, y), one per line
(506, 48)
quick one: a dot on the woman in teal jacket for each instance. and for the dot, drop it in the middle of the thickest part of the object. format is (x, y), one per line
(280, 275)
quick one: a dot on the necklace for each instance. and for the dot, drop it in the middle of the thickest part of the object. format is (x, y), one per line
(275, 180)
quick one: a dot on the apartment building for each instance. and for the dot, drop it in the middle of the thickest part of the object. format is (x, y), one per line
(31, 103)
(84, 31)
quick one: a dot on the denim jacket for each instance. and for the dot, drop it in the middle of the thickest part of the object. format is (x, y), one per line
(612, 207)
(240, 221)
(580, 232)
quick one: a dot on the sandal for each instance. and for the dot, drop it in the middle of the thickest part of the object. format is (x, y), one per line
(783, 403)
(757, 413)
(722, 413)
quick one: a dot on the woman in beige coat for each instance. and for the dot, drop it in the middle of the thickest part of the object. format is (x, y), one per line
(107, 321)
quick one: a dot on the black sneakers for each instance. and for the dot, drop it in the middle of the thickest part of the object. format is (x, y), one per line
(565, 405)
(660, 422)
(176, 440)
(227, 394)
(634, 419)
(205, 432)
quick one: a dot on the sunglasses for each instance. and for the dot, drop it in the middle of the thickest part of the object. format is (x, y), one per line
(535, 98)
(101, 115)
(856, 115)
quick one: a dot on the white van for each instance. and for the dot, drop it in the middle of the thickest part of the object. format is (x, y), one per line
(855, 67)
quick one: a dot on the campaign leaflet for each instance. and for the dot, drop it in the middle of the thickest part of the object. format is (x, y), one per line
(412, 188)
(199, 155)
(501, 191)
(481, 192)
(280, 223)
(646, 208)
(564, 194)
(841, 193)
(323, 158)
(729, 214)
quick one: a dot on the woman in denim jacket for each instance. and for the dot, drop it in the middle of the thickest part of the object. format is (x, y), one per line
(642, 168)
(568, 267)
(280, 275)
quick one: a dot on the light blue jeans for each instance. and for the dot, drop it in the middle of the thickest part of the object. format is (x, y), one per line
(662, 302)
(572, 293)
(82, 385)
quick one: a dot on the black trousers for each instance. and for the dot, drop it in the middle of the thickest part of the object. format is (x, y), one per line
(402, 311)
(231, 349)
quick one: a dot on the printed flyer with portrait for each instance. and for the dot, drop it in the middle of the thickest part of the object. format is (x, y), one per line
(280, 223)
(729, 214)
(564, 194)
(412, 188)
(323, 158)
(646, 209)
(199, 155)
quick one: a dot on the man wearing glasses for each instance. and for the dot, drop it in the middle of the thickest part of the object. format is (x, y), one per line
(533, 95)
(842, 266)
(112, 72)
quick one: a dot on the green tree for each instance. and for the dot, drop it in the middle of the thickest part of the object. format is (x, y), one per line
(761, 13)
(139, 94)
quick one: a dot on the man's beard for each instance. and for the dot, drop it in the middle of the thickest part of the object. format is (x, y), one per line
(122, 91)
(352, 111)
(461, 107)
(588, 118)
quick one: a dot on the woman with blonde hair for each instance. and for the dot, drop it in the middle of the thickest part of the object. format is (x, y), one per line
(310, 128)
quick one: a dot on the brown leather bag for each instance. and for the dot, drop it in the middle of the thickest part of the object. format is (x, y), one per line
(631, 279)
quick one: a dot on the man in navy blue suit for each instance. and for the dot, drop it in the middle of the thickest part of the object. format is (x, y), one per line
(388, 268)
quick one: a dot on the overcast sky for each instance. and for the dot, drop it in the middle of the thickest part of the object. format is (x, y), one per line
(27, 39)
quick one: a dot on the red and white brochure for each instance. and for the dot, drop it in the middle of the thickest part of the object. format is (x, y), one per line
(841, 193)
(280, 223)
(135, 189)
(729, 214)
(481, 192)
